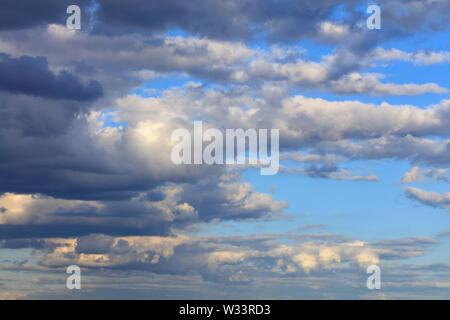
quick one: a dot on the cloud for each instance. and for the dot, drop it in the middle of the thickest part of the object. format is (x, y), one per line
(333, 31)
(443, 234)
(418, 150)
(417, 174)
(215, 261)
(29, 75)
(222, 20)
(19, 14)
(404, 248)
(276, 21)
(311, 226)
(412, 176)
(227, 62)
(85, 171)
(226, 259)
(180, 206)
(421, 57)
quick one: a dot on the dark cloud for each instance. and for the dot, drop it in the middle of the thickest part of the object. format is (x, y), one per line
(63, 230)
(18, 14)
(177, 208)
(31, 75)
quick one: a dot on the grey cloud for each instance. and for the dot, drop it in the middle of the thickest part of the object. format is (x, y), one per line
(24, 243)
(144, 58)
(429, 198)
(31, 75)
(179, 206)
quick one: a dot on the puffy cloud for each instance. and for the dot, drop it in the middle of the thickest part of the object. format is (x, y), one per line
(417, 174)
(85, 168)
(412, 176)
(429, 198)
(311, 226)
(96, 162)
(18, 14)
(277, 21)
(224, 19)
(333, 31)
(179, 207)
(218, 258)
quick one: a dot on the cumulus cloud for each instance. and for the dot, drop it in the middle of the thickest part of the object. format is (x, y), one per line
(421, 57)
(86, 175)
(230, 62)
(285, 21)
(225, 259)
(19, 14)
(417, 174)
(29, 75)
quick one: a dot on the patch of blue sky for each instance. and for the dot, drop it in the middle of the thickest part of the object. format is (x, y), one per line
(110, 119)
(176, 32)
(354, 207)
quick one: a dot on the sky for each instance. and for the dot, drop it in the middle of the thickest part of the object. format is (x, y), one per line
(86, 177)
